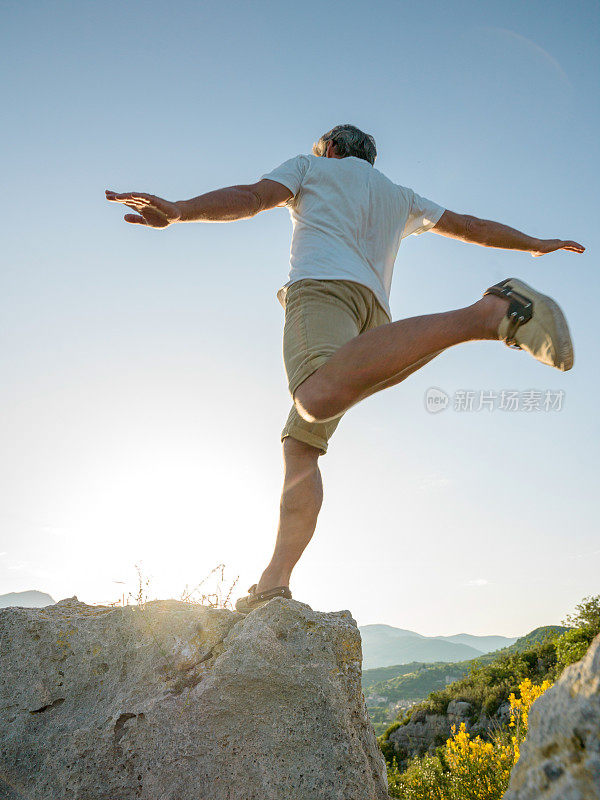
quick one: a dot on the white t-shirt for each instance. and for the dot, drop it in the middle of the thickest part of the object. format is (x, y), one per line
(348, 221)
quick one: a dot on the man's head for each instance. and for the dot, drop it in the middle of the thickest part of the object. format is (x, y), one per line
(348, 141)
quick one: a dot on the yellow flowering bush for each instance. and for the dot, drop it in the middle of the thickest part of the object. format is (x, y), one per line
(466, 768)
(478, 770)
(519, 710)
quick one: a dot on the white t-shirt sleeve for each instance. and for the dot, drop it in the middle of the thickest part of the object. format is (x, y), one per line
(290, 174)
(423, 214)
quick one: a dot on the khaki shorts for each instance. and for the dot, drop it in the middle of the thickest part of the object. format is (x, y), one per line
(321, 316)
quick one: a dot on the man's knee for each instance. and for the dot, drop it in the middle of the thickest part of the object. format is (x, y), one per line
(316, 400)
(302, 488)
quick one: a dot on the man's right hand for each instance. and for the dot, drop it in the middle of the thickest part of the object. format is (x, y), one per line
(221, 205)
(151, 210)
(550, 245)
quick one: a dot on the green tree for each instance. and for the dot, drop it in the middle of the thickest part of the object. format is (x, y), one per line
(587, 615)
(584, 626)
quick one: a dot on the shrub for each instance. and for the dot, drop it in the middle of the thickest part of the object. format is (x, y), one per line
(466, 768)
(477, 770)
(519, 711)
(572, 646)
(424, 779)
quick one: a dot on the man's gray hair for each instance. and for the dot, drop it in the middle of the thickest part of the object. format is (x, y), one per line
(348, 141)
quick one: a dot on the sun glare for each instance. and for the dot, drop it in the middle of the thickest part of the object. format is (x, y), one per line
(174, 514)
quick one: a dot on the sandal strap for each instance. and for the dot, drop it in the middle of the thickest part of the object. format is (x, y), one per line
(277, 591)
(520, 309)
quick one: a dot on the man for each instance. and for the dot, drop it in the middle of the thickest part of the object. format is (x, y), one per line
(339, 343)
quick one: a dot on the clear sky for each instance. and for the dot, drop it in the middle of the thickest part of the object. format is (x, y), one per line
(142, 389)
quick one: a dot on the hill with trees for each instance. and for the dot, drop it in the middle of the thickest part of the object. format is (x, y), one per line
(390, 691)
(416, 744)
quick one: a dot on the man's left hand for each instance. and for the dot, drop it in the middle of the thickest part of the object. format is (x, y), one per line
(551, 245)
(151, 210)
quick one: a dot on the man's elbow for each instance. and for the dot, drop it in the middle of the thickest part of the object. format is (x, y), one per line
(464, 227)
(248, 202)
(476, 230)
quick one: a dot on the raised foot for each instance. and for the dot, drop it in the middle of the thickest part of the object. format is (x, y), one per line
(535, 323)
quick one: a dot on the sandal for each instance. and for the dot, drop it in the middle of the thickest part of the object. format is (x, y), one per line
(253, 600)
(535, 323)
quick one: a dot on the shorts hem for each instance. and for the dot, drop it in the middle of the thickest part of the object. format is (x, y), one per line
(305, 437)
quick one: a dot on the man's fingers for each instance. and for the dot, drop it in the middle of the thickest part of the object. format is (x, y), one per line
(110, 195)
(560, 244)
(574, 247)
(118, 198)
(151, 210)
(129, 197)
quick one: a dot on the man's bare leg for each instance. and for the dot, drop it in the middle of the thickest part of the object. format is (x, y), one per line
(300, 505)
(386, 355)
(369, 363)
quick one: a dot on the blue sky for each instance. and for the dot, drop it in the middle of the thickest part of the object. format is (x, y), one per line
(143, 390)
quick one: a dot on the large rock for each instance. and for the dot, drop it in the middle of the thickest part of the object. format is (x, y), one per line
(422, 734)
(174, 701)
(459, 711)
(560, 759)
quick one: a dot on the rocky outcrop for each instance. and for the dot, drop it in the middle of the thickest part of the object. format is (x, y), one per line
(560, 759)
(424, 732)
(174, 701)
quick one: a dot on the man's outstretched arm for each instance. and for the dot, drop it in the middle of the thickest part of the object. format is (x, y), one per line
(494, 234)
(222, 205)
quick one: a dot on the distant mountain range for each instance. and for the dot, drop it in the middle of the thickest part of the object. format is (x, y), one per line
(386, 646)
(31, 599)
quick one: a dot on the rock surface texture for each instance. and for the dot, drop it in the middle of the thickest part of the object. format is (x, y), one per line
(560, 759)
(174, 701)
